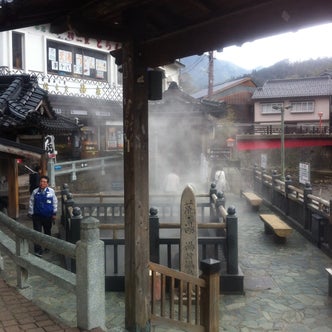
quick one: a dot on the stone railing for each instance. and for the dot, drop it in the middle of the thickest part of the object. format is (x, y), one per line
(88, 284)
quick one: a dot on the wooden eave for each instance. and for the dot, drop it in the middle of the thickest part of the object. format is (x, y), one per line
(19, 150)
(168, 30)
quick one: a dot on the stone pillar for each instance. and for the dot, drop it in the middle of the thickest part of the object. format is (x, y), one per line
(188, 233)
(90, 277)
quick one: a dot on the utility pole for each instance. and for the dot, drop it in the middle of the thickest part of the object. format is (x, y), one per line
(211, 78)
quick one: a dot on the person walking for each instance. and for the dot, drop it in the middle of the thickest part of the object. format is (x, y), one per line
(43, 205)
(220, 180)
(172, 183)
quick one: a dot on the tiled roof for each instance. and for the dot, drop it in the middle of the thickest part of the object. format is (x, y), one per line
(292, 88)
(174, 96)
(23, 104)
(220, 87)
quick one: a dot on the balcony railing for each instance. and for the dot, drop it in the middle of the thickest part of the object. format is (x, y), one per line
(254, 129)
(71, 86)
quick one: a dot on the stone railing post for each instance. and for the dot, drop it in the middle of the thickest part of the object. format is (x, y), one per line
(69, 202)
(154, 235)
(232, 241)
(22, 274)
(74, 232)
(210, 296)
(90, 277)
(75, 225)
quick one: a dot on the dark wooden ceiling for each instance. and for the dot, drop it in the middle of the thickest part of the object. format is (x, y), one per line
(168, 29)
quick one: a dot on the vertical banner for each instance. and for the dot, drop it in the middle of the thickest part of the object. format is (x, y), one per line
(263, 160)
(304, 173)
(49, 146)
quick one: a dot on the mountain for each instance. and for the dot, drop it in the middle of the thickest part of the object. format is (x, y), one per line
(194, 76)
(286, 69)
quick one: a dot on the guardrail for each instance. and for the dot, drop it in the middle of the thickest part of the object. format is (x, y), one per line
(89, 251)
(308, 213)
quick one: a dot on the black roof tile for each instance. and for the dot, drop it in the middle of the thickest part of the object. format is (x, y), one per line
(23, 104)
(292, 88)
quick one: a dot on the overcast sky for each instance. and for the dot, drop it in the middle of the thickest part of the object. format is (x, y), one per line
(310, 43)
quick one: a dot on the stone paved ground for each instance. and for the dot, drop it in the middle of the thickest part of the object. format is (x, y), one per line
(285, 286)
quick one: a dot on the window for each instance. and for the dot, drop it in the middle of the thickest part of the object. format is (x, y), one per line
(70, 60)
(17, 50)
(303, 107)
(268, 108)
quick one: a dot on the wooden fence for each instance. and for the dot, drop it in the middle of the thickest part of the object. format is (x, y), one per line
(213, 241)
(177, 298)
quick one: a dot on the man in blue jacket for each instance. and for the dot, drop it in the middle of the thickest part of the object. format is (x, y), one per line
(43, 207)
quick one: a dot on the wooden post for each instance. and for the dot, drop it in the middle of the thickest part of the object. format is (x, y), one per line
(136, 185)
(275, 176)
(12, 178)
(154, 236)
(210, 296)
(232, 241)
(188, 233)
(288, 182)
(307, 212)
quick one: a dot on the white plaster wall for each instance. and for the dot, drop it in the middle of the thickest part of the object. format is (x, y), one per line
(5, 55)
(34, 52)
(34, 58)
(321, 105)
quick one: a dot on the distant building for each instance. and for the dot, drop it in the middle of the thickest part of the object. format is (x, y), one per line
(306, 103)
(235, 96)
(82, 80)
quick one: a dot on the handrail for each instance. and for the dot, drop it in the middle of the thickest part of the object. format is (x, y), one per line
(76, 166)
(81, 283)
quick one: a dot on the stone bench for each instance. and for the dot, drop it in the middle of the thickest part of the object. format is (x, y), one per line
(272, 224)
(254, 200)
(329, 271)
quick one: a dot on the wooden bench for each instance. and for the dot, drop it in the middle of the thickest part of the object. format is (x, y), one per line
(254, 200)
(272, 224)
(329, 271)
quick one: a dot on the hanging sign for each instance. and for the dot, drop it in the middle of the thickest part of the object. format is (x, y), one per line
(49, 146)
(304, 173)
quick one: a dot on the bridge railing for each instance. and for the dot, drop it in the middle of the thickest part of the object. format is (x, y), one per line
(84, 284)
(308, 213)
(75, 166)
